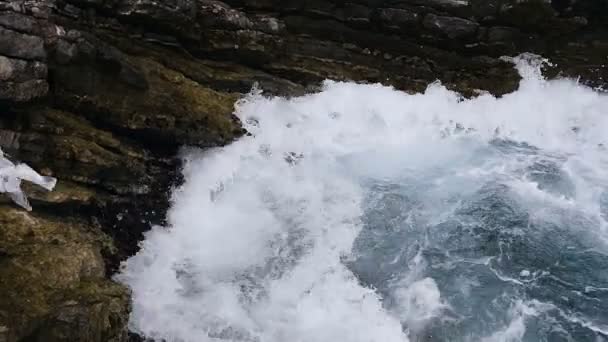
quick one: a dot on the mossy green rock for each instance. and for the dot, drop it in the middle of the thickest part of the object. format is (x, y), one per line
(53, 284)
(158, 102)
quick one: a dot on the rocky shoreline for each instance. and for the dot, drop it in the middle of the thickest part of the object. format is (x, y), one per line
(101, 94)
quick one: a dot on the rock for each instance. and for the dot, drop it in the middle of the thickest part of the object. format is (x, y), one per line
(485, 9)
(499, 34)
(144, 96)
(23, 91)
(218, 15)
(530, 15)
(52, 281)
(451, 27)
(397, 19)
(19, 70)
(19, 22)
(22, 80)
(504, 39)
(357, 14)
(445, 5)
(65, 51)
(94, 311)
(20, 45)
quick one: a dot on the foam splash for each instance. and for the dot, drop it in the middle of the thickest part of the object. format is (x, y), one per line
(297, 233)
(11, 176)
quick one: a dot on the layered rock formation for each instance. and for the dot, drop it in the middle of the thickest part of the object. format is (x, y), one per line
(102, 93)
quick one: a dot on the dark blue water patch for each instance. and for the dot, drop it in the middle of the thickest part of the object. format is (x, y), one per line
(509, 146)
(488, 256)
(551, 177)
(390, 220)
(544, 169)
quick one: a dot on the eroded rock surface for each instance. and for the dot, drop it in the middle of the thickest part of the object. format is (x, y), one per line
(102, 93)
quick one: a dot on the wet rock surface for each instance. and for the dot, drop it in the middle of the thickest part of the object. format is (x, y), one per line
(102, 93)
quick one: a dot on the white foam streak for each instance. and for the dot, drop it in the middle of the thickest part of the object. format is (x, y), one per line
(514, 331)
(419, 303)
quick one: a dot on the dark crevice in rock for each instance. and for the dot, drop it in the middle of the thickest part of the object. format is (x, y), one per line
(126, 221)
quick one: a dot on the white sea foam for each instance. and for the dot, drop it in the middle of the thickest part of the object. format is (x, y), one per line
(259, 232)
(418, 303)
(515, 329)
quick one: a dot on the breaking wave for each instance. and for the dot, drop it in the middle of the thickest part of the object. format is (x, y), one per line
(362, 213)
